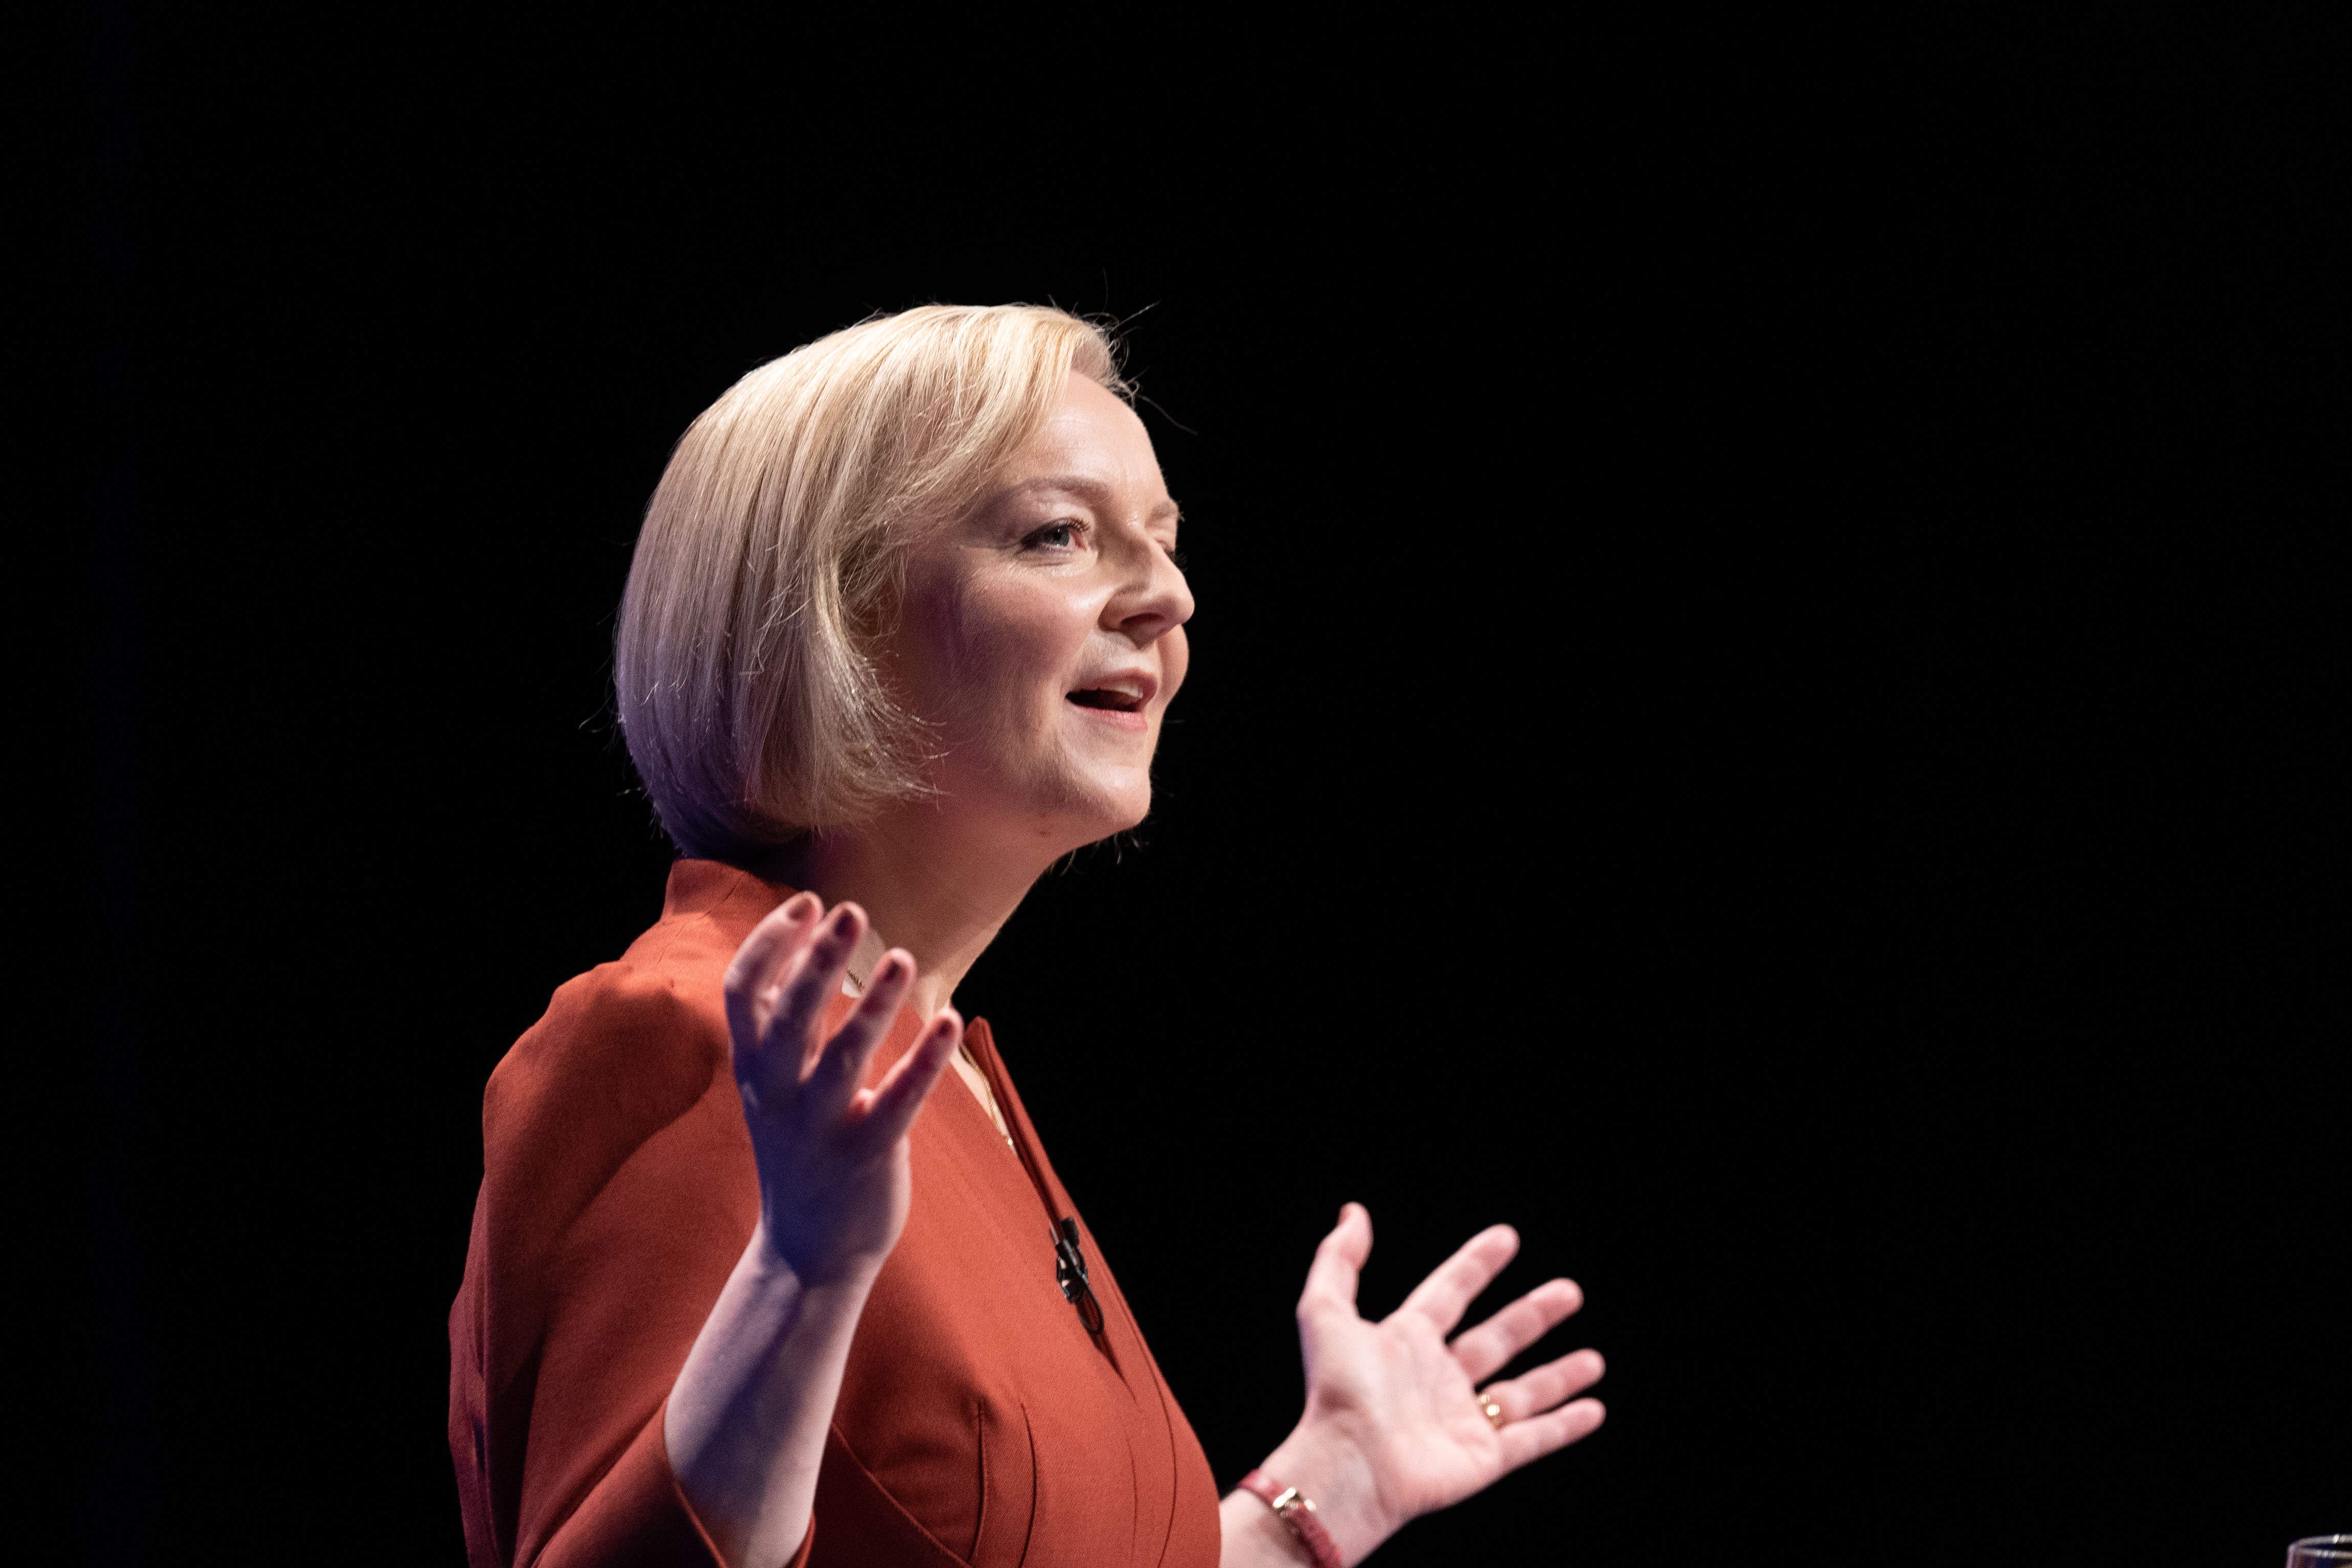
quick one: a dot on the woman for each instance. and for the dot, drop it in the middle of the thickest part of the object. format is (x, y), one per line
(902, 624)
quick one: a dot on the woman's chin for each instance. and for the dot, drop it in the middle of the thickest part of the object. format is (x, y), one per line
(1097, 809)
(1108, 823)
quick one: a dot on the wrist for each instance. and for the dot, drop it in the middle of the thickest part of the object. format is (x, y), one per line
(850, 1277)
(1329, 1467)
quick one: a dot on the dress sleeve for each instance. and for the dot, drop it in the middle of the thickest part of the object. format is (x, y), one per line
(617, 1193)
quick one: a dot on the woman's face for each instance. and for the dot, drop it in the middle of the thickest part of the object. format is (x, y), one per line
(1042, 633)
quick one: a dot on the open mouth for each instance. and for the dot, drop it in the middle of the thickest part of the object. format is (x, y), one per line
(1108, 701)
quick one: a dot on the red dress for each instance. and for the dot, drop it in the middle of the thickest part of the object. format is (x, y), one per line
(980, 1422)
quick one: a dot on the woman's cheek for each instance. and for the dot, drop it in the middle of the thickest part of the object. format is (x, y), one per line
(997, 660)
(1045, 634)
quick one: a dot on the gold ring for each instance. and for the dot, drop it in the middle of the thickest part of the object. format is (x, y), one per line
(1494, 1412)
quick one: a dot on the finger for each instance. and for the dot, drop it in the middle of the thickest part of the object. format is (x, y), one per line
(841, 1061)
(1526, 1441)
(1486, 1349)
(771, 1069)
(909, 1082)
(772, 942)
(814, 980)
(1531, 1393)
(1456, 1283)
(1338, 1262)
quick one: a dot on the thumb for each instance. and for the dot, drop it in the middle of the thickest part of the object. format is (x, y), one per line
(1338, 1262)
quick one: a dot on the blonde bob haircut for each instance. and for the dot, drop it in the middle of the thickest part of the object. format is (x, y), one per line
(771, 562)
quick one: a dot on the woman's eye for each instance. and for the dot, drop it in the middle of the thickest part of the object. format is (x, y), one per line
(1056, 536)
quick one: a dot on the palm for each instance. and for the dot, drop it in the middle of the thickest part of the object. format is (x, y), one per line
(1405, 1399)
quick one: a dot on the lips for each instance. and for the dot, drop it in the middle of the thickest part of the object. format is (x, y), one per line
(1116, 692)
(1109, 701)
(1117, 698)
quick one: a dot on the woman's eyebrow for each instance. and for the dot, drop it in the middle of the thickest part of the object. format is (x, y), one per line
(1093, 490)
(1096, 491)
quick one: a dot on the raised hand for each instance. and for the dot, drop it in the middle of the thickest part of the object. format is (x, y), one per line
(746, 1420)
(833, 1181)
(1393, 1412)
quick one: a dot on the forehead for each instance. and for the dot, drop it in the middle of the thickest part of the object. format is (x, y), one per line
(1091, 438)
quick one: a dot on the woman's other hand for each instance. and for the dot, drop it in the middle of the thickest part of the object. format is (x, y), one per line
(833, 1180)
(745, 1424)
(1394, 1427)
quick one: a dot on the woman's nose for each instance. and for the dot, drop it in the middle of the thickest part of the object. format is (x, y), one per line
(1154, 599)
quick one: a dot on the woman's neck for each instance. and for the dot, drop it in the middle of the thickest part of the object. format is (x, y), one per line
(926, 885)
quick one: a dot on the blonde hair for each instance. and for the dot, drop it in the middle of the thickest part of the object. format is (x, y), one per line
(769, 563)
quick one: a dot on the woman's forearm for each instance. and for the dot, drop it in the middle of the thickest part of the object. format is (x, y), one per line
(1251, 1537)
(1323, 1465)
(747, 1419)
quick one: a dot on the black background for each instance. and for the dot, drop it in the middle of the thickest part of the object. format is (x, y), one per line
(1768, 706)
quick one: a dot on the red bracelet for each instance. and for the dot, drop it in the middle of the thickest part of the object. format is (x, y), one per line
(1299, 1514)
